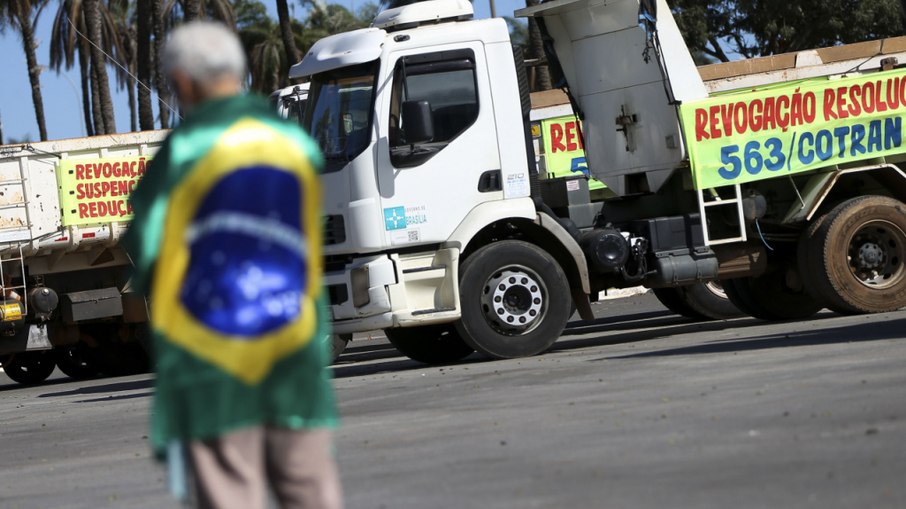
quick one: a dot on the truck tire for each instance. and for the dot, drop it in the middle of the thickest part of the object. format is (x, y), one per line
(431, 344)
(76, 361)
(338, 344)
(858, 256)
(673, 300)
(29, 368)
(772, 296)
(700, 301)
(710, 300)
(515, 300)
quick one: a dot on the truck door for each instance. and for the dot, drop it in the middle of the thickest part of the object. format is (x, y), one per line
(429, 184)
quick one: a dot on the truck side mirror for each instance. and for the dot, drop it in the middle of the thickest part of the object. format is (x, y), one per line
(418, 124)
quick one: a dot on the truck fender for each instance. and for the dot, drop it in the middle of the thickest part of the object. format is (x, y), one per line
(486, 214)
(580, 295)
(820, 185)
(522, 210)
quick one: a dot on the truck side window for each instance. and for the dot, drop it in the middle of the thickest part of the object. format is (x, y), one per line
(446, 80)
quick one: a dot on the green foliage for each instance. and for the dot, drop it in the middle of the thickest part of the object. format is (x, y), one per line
(519, 33)
(717, 29)
(260, 36)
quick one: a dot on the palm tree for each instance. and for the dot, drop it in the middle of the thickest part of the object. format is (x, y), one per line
(160, 81)
(286, 32)
(144, 64)
(65, 44)
(541, 73)
(193, 9)
(70, 34)
(122, 15)
(220, 10)
(93, 15)
(262, 44)
(23, 15)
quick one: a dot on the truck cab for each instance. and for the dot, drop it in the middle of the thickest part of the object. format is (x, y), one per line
(420, 119)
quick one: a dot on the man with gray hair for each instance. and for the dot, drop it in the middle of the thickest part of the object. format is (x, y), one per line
(226, 242)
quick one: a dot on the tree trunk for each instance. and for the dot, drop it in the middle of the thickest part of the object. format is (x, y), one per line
(286, 31)
(536, 50)
(133, 113)
(194, 9)
(160, 81)
(93, 20)
(129, 46)
(85, 75)
(34, 71)
(96, 102)
(144, 64)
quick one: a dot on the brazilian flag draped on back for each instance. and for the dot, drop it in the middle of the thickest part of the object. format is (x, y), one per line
(226, 242)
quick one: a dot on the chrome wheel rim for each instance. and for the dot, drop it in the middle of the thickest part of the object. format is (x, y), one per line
(514, 300)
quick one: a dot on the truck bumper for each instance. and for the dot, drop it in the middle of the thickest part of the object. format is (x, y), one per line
(30, 337)
(385, 291)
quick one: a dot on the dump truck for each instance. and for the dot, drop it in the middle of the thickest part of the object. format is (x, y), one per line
(780, 178)
(66, 300)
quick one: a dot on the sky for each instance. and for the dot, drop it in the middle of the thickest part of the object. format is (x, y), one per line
(62, 94)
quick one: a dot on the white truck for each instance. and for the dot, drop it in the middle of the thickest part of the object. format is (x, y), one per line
(65, 297)
(441, 231)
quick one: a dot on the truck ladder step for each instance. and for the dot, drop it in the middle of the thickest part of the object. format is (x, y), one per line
(716, 200)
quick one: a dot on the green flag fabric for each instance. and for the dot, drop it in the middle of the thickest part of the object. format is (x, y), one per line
(226, 242)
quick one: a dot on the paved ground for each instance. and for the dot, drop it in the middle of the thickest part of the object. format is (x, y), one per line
(639, 409)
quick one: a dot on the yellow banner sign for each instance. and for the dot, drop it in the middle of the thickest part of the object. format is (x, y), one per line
(96, 191)
(563, 151)
(796, 127)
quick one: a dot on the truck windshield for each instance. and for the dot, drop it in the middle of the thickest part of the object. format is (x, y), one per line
(338, 113)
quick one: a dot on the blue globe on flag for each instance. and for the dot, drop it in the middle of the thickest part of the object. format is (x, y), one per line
(247, 254)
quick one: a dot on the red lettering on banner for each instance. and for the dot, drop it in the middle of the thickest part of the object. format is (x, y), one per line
(841, 103)
(701, 125)
(557, 138)
(713, 111)
(570, 136)
(829, 98)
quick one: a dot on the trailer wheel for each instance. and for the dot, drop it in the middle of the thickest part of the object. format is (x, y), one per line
(673, 300)
(710, 300)
(29, 368)
(515, 300)
(76, 361)
(700, 301)
(338, 344)
(431, 344)
(777, 295)
(858, 255)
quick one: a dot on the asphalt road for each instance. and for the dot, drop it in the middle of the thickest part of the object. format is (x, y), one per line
(638, 409)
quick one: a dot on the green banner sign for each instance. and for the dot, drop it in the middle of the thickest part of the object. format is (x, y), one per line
(96, 191)
(563, 151)
(795, 127)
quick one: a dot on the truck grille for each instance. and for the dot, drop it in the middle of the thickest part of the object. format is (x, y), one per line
(334, 229)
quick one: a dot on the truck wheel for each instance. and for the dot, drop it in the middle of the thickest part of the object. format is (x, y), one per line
(777, 295)
(76, 361)
(29, 368)
(700, 301)
(338, 344)
(515, 300)
(709, 299)
(673, 300)
(431, 344)
(858, 256)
